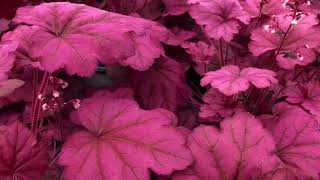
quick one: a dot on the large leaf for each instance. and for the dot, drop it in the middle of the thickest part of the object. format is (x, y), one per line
(242, 150)
(230, 80)
(298, 141)
(220, 18)
(162, 86)
(22, 156)
(122, 141)
(74, 36)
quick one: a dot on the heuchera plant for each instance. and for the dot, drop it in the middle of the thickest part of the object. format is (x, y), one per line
(160, 89)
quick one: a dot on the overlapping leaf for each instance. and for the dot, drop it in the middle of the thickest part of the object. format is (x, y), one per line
(242, 150)
(288, 39)
(7, 58)
(298, 141)
(122, 141)
(308, 95)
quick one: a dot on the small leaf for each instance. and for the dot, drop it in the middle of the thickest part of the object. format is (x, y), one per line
(8, 86)
(230, 80)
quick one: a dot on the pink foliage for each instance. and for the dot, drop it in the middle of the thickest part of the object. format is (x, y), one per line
(160, 89)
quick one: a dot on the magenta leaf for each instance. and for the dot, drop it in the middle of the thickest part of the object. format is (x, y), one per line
(308, 95)
(7, 58)
(4, 25)
(201, 52)
(216, 105)
(241, 150)
(220, 18)
(73, 36)
(176, 7)
(122, 141)
(22, 156)
(298, 142)
(230, 80)
(162, 86)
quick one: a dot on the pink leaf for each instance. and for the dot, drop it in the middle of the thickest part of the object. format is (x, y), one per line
(122, 141)
(220, 18)
(82, 35)
(162, 86)
(261, 78)
(298, 142)
(230, 80)
(241, 150)
(21, 155)
(7, 57)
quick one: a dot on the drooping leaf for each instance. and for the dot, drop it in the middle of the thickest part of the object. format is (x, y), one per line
(122, 141)
(8, 86)
(230, 80)
(73, 36)
(22, 156)
(241, 150)
(220, 18)
(162, 86)
(298, 141)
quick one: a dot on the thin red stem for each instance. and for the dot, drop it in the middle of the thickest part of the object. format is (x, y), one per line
(221, 53)
(34, 88)
(38, 100)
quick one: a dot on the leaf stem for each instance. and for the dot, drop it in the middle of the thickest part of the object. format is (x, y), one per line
(221, 53)
(38, 100)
